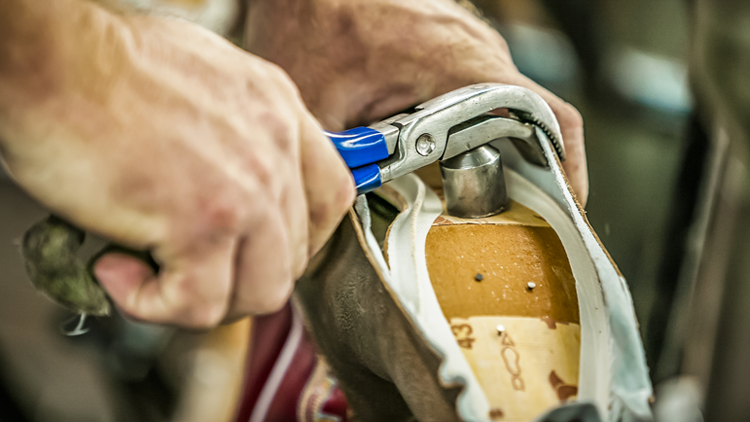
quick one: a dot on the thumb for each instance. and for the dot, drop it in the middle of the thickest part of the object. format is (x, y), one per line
(191, 291)
(121, 274)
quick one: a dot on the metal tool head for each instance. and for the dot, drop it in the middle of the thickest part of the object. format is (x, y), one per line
(474, 183)
(458, 122)
(446, 127)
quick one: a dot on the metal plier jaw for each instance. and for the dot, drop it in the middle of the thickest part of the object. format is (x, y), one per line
(445, 127)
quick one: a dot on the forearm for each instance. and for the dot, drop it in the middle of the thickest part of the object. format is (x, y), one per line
(49, 51)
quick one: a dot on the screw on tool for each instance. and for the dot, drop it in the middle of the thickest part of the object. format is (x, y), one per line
(425, 144)
(479, 277)
(531, 285)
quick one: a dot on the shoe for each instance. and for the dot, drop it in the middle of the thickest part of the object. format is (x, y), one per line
(425, 316)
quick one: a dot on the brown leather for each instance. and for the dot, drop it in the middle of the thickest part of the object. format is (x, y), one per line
(386, 370)
(384, 366)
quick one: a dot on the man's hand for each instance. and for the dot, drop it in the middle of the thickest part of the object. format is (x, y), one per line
(356, 61)
(160, 135)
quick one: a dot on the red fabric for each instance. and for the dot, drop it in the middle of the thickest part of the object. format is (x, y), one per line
(269, 332)
(336, 404)
(284, 405)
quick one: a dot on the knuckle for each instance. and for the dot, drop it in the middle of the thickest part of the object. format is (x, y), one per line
(279, 76)
(283, 134)
(203, 317)
(189, 309)
(223, 213)
(266, 172)
(200, 314)
(326, 213)
(208, 316)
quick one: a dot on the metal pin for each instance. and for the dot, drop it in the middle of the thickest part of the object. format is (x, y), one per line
(79, 329)
(531, 285)
(479, 277)
(500, 329)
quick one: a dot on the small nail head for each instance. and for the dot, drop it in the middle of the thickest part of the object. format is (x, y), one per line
(531, 285)
(479, 277)
(500, 329)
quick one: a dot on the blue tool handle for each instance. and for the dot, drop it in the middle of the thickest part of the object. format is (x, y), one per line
(367, 178)
(360, 146)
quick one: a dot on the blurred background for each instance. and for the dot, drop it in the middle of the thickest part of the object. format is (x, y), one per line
(666, 160)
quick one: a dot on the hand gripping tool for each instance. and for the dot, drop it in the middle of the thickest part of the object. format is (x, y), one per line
(453, 125)
(446, 127)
